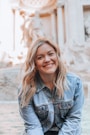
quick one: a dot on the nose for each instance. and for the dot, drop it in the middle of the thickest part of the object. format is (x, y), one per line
(47, 58)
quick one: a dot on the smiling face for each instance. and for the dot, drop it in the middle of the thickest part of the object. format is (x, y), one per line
(46, 60)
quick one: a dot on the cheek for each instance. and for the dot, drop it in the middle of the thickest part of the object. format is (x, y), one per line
(57, 63)
(38, 65)
(56, 60)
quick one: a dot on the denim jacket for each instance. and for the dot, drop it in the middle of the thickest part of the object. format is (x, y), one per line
(46, 109)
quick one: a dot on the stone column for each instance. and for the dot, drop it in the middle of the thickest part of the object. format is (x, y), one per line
(53, 26)
(66, 22)
(13, 11)
(18, 32)
(74, 21)
(6, 26)
(60, 27)
(71, 16)
(80, 23)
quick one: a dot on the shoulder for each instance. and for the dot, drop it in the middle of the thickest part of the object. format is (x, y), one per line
(72, 77)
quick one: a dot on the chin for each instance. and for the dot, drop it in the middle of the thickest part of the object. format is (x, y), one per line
(50, 72)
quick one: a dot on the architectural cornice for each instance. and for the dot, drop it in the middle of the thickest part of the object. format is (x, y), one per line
(31, 6)
(85, 2)
(37, 3)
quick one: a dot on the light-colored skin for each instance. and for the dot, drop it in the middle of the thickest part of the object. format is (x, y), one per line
(46, 63)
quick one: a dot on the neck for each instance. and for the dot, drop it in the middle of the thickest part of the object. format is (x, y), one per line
(48, 80)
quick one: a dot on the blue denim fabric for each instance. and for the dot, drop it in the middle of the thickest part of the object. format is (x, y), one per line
(46, 109)
(51, 133)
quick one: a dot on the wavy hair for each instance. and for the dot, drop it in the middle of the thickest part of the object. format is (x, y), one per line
(28, 81)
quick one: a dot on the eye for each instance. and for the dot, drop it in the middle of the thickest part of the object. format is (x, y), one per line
(39, 57)
(51, 54)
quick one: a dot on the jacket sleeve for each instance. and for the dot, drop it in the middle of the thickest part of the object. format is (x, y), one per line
(31, 121)
(72, 126)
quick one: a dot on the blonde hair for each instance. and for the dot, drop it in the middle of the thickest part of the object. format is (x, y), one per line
(28, 82)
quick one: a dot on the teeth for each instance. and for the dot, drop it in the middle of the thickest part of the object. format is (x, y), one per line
(48, 65)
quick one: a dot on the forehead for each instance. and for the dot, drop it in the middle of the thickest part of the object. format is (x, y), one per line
(45, 47)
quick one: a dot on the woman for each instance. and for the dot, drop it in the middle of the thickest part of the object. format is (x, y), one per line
(50, 98)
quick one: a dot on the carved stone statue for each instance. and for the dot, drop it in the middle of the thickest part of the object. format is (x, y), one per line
(36, 28)
(32, 29)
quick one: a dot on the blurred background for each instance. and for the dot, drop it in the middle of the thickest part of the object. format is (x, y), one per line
(66, 22)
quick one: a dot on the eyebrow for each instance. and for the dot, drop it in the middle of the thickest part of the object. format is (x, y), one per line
(47, 52)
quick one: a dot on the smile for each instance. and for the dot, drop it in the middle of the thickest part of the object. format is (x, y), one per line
(48, 65)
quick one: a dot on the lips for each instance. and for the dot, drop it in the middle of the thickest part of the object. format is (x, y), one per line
(48, 65)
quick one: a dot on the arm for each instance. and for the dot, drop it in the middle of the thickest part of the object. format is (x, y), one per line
(71, 126)
(31, 121)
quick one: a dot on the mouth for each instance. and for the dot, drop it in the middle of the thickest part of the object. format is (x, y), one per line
(48, 65)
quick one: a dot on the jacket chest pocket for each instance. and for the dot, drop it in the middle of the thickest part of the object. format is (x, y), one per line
(42, 112)
(63, 108)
